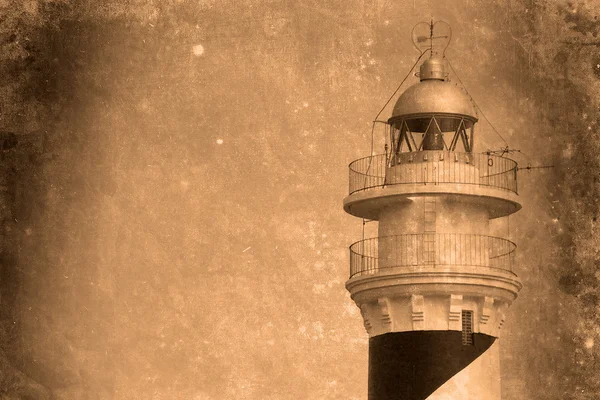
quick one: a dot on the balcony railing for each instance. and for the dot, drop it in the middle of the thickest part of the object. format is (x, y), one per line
(433, 167)
(370, 256)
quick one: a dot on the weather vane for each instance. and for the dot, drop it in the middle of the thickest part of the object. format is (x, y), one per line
(425, 33)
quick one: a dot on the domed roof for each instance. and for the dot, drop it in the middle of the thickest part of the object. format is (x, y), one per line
(433, 96)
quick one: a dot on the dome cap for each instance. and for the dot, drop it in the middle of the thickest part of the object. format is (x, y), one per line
(433, 95)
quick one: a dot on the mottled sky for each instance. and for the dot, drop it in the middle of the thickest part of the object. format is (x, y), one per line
(173, 175)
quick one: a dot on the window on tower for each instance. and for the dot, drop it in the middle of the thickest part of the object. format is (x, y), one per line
(467, 327)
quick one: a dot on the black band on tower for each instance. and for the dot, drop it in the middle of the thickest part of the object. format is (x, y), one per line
(412, 365)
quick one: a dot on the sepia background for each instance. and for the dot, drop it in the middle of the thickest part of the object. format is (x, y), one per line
(172, 179)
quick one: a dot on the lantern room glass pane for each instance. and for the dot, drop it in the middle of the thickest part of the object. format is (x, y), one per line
(446, 123)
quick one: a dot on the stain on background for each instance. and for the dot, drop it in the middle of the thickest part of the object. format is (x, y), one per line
(172, 177)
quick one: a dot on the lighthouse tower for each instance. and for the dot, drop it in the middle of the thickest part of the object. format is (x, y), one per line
(434, 286)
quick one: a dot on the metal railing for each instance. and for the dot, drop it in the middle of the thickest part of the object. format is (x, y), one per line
(433, 167)
(370, 256)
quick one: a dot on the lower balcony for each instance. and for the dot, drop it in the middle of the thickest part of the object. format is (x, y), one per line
(433, 264)
(450, 251)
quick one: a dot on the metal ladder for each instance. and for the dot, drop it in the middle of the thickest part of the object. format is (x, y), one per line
(429, 230)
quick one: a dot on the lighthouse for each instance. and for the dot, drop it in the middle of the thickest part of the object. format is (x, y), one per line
(434, 286)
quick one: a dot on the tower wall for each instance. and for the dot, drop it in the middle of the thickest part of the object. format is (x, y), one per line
(480, 380)
(451, 215)
(423, 365)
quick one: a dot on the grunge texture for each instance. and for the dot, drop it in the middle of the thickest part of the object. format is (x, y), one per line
(173, 172)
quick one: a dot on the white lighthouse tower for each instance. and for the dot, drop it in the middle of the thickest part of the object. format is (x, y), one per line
(434, 286)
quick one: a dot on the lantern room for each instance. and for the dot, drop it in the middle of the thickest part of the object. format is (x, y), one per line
(433, 114)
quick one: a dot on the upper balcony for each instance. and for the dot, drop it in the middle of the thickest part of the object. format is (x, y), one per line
(377, 178)
(433, 167)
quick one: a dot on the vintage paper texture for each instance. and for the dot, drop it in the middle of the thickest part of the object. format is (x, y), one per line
(173, 172)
